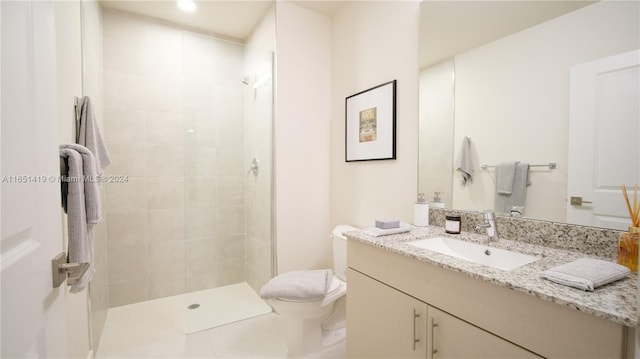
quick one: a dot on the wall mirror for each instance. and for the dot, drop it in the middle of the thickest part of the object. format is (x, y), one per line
(498, 72)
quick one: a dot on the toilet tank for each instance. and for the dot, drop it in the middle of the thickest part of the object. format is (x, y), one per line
(340, 250)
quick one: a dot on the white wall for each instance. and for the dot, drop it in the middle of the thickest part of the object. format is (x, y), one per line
(69, 63)
(302, 137)
(491, 103)
(375, 42)
(436, 131)
(92, 86)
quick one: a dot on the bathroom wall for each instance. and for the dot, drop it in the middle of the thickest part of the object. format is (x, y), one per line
(436, 130)
(79, 60)
(92, 85)
(374, 42)
(69, 74)
(258, 119)
(507, 121)
(302, 142)
(174, 125)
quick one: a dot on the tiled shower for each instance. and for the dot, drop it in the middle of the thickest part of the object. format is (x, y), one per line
(183, 118)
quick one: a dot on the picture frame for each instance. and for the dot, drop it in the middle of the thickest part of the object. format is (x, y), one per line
(370, 124)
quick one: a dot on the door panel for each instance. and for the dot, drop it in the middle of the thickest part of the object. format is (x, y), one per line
(32, 311)
(604, 127)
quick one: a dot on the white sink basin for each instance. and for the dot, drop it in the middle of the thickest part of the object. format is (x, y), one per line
(472, 252)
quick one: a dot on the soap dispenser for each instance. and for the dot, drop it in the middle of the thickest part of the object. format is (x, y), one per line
(437, 201)
(421, 211)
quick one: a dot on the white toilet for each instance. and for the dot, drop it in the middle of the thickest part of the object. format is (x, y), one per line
(316, 325)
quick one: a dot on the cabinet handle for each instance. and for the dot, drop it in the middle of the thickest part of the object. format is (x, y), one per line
(416, 315)
(433, 343)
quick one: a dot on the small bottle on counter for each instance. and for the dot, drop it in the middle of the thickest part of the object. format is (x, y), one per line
(452, 224)
(437, 201)
(421, 211)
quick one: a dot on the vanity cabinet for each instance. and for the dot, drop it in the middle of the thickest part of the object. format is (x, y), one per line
(401, 307)
(386, 323)
(383, 322)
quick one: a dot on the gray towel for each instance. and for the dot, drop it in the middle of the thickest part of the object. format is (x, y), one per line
(298, 285)
(518, 195)
(464, 164)
(505, 173)
(89, 134)
(80, 232)
(91, 184)
(586, 273)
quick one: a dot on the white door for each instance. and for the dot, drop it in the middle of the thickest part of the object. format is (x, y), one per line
(604, 133)
(33, 312)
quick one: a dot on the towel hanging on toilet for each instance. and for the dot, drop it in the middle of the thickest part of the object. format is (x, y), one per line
(297, 285)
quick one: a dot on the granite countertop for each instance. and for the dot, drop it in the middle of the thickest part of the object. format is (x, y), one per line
(615, 301)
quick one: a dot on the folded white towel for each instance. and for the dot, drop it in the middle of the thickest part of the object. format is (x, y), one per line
(377, 232)
(307, 284)
(586, 273)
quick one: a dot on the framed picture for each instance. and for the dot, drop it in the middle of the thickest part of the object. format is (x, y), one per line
(370, 124)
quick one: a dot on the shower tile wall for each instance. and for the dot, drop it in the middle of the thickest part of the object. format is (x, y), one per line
(174, 125)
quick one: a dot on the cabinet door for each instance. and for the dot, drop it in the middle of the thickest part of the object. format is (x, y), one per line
(383, 322)
(454, 338)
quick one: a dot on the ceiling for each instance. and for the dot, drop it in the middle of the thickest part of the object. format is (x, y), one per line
(447, 27)
(227, 19)
(451, 27)
(234, 19)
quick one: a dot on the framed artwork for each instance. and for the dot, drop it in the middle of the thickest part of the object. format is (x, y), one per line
(370, 124)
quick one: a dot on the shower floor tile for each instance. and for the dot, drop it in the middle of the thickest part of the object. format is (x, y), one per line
(224, 305)
(156, 329)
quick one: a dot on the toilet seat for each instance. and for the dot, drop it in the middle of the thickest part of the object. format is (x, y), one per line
(334, 288)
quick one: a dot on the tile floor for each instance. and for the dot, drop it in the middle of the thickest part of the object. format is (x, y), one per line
(156, 329)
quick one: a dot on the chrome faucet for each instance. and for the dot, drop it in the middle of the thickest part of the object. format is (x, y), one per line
(490, 224)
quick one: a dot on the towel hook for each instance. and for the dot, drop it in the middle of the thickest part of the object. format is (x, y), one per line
(62, 270)
(254, 167)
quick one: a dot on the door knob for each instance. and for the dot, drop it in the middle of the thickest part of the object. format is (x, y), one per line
(577, 201)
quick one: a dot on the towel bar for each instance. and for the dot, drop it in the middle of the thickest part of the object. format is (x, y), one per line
(550, 165)
(62, 270)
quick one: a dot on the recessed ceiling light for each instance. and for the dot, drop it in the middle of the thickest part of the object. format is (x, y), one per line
(187, 5)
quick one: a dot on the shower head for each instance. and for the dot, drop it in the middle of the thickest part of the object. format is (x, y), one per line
(245, 80)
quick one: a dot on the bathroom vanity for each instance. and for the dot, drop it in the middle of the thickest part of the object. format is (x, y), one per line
(410, 302)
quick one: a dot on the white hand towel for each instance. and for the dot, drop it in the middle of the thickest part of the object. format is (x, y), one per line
(89, 134)
(378, 232)
(464, 164)
(586, 273)
(308, 284)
